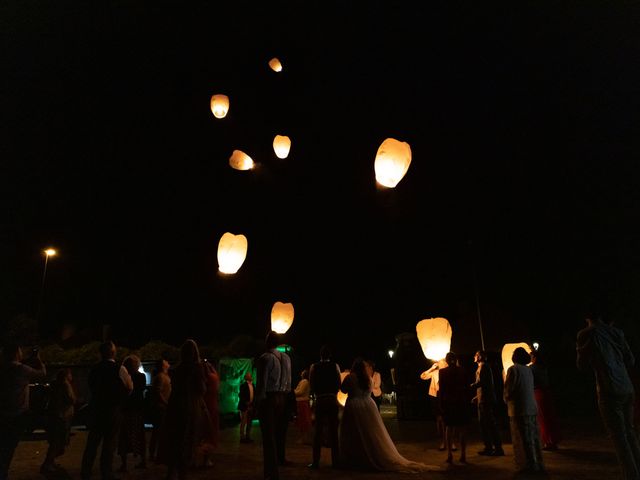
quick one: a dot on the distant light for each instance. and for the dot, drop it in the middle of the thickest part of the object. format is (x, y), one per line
(232, 252)
(282, 317)
(240, 160)
(50, 252)
(390, 352)
(219, 105)
(281, 145)
(392, 162)
(275, 64)
(536, 345)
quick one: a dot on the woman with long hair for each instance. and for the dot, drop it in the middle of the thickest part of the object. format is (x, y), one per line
(303, 407)
(364, 440)
(547, 416)
(187, 423)
(132, 436)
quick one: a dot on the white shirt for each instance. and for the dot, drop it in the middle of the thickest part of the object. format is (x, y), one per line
(518, 391)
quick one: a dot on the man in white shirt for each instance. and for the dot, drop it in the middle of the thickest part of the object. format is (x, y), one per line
(273, 387)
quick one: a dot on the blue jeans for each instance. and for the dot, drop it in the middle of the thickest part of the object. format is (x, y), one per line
(617, 415)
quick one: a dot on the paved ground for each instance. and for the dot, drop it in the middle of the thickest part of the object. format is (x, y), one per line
(585, 454)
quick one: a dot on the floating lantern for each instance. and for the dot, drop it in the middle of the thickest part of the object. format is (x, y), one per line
(434, 335)
(219, 105)
(507, 353)
(281, 145)
(392, 162)
(281, 317)
(232, 251)
(275, 64)
(342, 397)
(240, 161)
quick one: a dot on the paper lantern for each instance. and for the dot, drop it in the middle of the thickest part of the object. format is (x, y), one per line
(342, 397)
(507, 353)
(240, 161)
(434, 335)
(219, 105)
(275, 65)
(392, 162)
(281, 317)
(232, 251)
(281, 145)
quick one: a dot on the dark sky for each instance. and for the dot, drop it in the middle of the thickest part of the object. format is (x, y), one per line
(522, 120)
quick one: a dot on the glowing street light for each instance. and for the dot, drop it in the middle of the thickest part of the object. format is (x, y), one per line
(48, 252)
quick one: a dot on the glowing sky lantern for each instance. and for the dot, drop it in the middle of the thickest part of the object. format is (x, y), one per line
(392, 162)
(232, 251)
(219, 105)
(281, 317)
(240, 161)
(275, 64)
(342, 397)
(507, 353)
(434, 335)
(281, 145)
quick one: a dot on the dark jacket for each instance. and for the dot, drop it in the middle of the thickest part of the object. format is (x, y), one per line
(324, 378)
(107, 390)
(485, 388)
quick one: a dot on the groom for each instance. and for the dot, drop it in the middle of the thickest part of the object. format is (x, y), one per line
(324, 380)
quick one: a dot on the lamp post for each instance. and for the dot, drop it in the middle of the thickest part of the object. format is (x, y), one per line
(49, 252)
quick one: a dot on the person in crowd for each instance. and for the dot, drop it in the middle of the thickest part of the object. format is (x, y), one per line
(109, 385)
(376, 383)
(160, 393)
(454, 399)
(211, 400)
(132, 435)
(187, 425)
(364, 440)
(324, 383)
(547, 416)
(272, 389)
(604, 349)
(522, 409)
(60, 411)
(246, 398)
(486, 401)
(303, 407)
(434, 400)
(15, 377)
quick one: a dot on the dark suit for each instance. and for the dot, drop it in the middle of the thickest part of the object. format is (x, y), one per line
(108, 393)
(324, 380)
(486, 398)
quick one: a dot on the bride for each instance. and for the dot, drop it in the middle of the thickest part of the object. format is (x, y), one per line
(364, 440)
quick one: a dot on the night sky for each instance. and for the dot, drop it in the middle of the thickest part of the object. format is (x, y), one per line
(522, 120)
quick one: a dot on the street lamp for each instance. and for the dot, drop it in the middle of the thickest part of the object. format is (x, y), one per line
(49, 252)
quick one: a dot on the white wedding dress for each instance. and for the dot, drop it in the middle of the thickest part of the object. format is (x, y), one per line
(364, 440)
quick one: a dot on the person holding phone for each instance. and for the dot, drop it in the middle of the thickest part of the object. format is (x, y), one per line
(15, 377)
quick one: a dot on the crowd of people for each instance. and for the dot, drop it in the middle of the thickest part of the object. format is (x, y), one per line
(182, 404)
